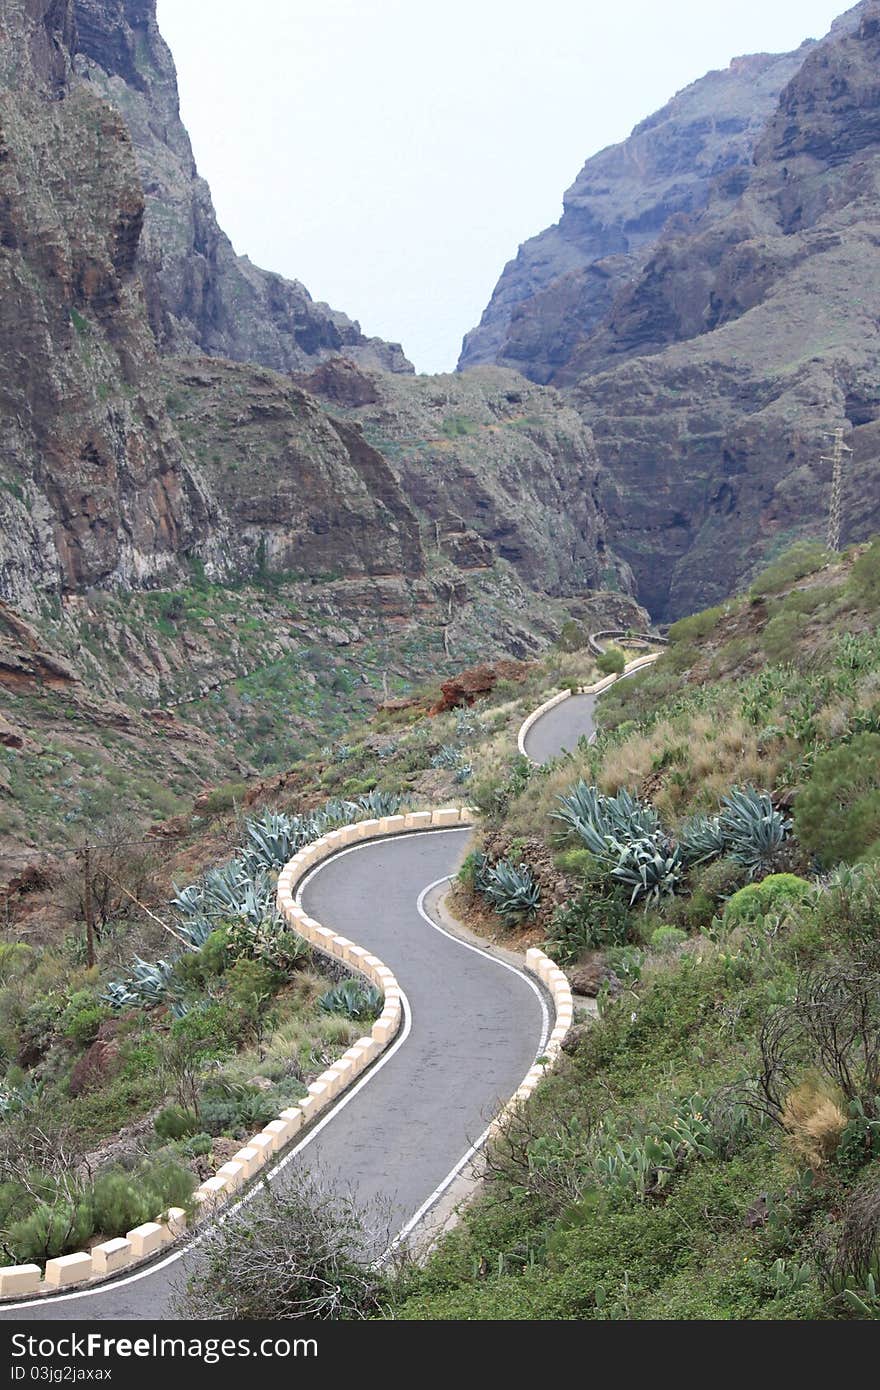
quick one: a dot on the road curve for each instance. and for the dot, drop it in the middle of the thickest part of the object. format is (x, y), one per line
(473, 1027)
(559, 729)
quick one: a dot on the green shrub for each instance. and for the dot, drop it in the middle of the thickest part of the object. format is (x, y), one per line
(579, 863)
(223, 798)
(588, 922)
(611, 662)
(804, 558)
(781, 636)
(217, 1027)
(667, 938)
(837, 814)
(82, 1018)
(573, 636)
(696, 626)
(719, 879)
(772, 894)
(864, 579)
(121, 1200)
(175, 1123)
(251, 983)
(50, 1230)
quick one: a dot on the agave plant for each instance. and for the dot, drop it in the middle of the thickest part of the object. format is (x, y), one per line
(272, 839)
(376, 803)
(752, 827)
(352, 999)
(119, 996)
(651, 868)
(599, 819)
(701, 838)
(511, 889)
(448, 756)
(148, 984)
(189, 901)
(196, 931)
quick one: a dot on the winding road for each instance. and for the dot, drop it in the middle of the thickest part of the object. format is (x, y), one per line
(473, 1027)
(559, 729)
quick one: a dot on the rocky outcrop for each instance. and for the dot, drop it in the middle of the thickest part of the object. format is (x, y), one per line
(122, 468)
(714, 351)
(563, 282)
(201, 296)
(93, 483)
(304, 493)
(743, 345)
(495, 467)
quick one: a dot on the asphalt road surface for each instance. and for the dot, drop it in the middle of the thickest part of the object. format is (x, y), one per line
(559, 729)
(473, 1029)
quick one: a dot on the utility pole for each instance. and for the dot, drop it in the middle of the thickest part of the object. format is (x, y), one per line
(835, 458)
(87, 907)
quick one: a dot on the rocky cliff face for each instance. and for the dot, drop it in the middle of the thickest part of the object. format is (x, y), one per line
(714, 363)
(495, 467)
(93, 483)
(201, 296)
(563, 282)
(122, 467)
(743, 345)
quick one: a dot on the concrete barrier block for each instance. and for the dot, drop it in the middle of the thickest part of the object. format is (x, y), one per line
(448, 815)
(369, 828)
(212, 1189)
(293, 1118)
(233, 1174)
(418, 820)
(383, 1030)
(342, 1072)
(308, 1108)
(392, 825)
(68, 1269)
(368, 1048)
(174, 1221)
(283, 1128)
(319, 1093)
(146, 1239)
(20, 1279)
(533, 959)
(111, 1255)
(249, 1160)
(264, 1146)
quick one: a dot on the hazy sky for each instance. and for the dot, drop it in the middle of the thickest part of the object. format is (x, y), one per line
(392, 154)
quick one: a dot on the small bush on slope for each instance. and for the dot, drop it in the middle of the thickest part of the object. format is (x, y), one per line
(837, 814)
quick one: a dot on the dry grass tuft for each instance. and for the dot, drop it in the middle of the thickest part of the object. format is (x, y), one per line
(814, 1120)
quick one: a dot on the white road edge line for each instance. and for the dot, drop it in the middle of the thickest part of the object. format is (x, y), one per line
(46, 1301)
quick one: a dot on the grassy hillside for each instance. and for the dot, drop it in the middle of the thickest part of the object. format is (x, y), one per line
(710, 1147)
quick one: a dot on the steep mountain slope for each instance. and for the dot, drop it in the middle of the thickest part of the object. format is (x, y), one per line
(714, 365)
(745, 344)
(562, 282)
(186, 532)
(201, 296)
